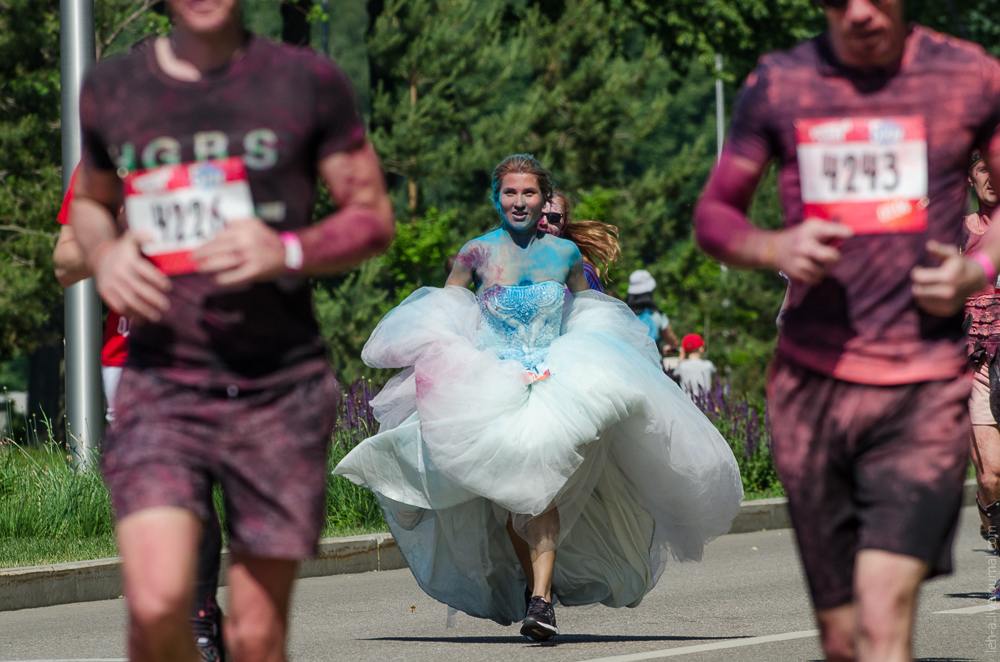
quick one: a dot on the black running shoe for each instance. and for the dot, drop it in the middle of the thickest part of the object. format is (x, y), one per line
(207, 627)
(540, 622)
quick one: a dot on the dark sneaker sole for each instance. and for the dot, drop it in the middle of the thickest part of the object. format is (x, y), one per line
(538, 631)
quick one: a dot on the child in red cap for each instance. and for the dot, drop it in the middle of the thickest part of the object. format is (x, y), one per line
(694, 372)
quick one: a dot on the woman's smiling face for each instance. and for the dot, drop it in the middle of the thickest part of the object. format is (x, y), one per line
(521, 201)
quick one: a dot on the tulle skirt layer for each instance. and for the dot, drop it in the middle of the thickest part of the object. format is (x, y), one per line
(635, 471)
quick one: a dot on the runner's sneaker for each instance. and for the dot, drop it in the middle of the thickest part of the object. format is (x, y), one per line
(207, 627)
(540, 622)
(994, 595)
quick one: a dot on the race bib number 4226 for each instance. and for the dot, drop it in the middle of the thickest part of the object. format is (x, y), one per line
(182, 206)
(869, 173)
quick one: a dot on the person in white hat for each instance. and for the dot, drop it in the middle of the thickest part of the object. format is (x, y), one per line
(641, 285)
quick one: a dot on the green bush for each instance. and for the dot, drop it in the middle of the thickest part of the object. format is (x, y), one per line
(749, 435)
(50, 511)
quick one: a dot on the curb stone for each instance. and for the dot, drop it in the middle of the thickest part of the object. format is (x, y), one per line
(101, 579)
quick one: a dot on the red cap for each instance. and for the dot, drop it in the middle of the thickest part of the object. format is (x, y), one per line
(691, 342)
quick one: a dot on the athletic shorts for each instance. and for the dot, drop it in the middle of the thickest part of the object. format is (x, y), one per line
(868, 467)
(266, 448)
(979, 401)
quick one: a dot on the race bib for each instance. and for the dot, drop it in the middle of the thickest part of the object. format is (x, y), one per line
(183, 206)
(869, 173)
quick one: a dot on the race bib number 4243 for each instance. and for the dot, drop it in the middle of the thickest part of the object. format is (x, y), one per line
(183, 206)
(869, 173)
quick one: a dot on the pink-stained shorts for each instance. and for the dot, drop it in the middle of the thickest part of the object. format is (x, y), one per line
(267, 449)
(979, 401)
(868, 467)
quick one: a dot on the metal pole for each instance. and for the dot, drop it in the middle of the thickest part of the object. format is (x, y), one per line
(720, 115)
(326, 29)
(84, 395)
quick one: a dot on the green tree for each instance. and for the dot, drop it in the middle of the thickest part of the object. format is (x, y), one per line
(29, 173)
(437, 67)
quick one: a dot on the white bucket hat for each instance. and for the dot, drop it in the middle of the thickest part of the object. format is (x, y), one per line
(640, 282)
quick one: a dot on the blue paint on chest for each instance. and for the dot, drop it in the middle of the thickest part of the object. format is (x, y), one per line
(520, 322)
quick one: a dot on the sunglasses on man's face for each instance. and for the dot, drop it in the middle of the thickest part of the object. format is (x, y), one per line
(841, 4)
(553, 217)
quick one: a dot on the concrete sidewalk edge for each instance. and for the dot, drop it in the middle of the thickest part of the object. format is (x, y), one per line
(101, 579)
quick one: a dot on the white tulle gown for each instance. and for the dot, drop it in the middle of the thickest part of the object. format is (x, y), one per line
(636, 471)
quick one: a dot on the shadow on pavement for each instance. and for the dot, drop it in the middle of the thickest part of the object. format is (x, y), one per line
(970, 596)
(562, 639)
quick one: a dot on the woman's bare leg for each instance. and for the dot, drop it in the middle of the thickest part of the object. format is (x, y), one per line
(523, 553)
(538, 561)
(544, 531)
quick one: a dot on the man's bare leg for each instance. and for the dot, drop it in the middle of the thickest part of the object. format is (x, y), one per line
(836, 631)
(260, 591)
(986, 459)
(885, 594)
(159, 548)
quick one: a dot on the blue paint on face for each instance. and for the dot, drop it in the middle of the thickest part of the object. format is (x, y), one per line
(519, 253)
(520, 203)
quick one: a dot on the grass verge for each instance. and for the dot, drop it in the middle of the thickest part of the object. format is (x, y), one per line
(52, 513)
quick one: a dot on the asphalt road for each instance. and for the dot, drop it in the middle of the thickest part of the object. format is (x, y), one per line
(745, 602)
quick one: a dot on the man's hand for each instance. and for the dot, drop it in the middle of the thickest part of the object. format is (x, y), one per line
(942, 290)
(127, 281)
(805, 252)
(246, 251)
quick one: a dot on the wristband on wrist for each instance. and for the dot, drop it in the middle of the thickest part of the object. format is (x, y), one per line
(293, 251)
(986, 263)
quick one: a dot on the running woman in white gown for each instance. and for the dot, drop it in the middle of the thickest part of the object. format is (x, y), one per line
(532, 447)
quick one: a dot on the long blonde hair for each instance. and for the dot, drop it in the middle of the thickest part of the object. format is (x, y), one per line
(598, 242)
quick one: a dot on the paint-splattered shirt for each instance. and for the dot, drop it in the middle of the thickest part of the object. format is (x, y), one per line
(984, 307)
(886, 152)
(278, 109)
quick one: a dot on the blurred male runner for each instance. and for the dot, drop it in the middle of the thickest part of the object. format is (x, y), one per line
(983, 313)
(868, 392)
(215, 138)
(206, 616)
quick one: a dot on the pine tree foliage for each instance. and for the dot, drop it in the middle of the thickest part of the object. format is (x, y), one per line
(615, 96)
(30, 172)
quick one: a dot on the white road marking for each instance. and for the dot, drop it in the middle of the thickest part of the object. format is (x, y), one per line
(715, 646)
(79, 659)
(971, 610)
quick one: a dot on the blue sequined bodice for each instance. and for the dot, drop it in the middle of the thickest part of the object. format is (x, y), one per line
(519, 322)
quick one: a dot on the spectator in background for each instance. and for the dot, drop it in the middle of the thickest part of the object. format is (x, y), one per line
(983, 312)
(598, 242)
(694, 372)
(641, 285)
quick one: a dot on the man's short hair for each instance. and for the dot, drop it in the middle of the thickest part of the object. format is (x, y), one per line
(974, 159)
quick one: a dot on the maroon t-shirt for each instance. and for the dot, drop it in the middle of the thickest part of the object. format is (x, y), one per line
(281, 110)
(886, 152)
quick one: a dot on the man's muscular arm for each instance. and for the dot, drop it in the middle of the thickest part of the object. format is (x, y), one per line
(127, 281)
(68, 258)
(365, 224)
(723, 230)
